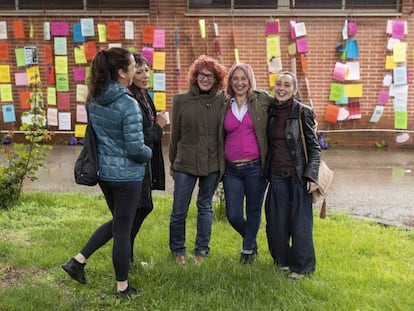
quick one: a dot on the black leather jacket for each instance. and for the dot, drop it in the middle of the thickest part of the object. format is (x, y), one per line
(305, 171)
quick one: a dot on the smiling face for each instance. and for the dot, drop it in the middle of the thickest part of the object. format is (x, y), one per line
(240, 83)
(285, 88)
(141, 77)
(205, 80)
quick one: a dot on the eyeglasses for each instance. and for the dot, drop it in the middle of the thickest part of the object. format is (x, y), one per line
(202, 75)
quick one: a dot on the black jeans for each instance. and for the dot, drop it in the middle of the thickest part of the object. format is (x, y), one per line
(123, 200)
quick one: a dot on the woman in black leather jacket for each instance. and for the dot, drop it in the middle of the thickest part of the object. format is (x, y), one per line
(288, 207)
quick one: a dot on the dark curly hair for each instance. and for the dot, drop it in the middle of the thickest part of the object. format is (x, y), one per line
(212, 65)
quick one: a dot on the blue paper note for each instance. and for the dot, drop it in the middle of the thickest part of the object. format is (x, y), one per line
(8, 113)
(352, 49)
(77, 33)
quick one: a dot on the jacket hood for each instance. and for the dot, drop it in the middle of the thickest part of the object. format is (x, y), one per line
(111, 93)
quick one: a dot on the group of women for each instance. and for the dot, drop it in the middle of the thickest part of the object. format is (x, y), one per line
(242, 136)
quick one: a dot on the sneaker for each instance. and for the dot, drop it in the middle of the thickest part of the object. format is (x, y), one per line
(76, 270)
(296, 276)
(128, 292)
(284, 269)
(246, 259)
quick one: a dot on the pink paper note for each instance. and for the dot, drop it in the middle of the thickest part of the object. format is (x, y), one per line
(59, 28)
(301, 45)
(272, 28)
(382, 97)
(292, 30)
(398, 29)
(21, 78)
(340, 71)
(159, 38)
(148, 53)
(352, 28)
(63, 101)
(81, 115)
(79, 73)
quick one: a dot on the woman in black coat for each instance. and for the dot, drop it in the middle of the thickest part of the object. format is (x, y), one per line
(153, 124)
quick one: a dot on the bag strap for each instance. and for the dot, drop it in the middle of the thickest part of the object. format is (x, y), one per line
(322, 214)
(302, 135)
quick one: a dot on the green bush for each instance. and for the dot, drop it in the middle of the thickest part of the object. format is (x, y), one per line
(23, 160)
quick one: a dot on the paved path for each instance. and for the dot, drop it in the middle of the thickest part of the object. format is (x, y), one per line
(368, 183)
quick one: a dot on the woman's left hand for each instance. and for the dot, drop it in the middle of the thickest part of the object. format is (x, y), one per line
(311, 186)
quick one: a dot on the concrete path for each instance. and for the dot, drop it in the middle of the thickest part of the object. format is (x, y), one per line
(368, 183)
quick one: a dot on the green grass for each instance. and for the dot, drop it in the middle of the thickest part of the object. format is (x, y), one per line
(360, 265)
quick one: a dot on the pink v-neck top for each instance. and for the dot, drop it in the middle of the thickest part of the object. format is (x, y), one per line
(240, 142)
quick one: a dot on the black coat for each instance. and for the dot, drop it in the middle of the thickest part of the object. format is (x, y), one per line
(306, 171)
(152, 137)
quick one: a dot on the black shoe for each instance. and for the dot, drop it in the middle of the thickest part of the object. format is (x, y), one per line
(246, 259)
(76, 270)
(128, 292)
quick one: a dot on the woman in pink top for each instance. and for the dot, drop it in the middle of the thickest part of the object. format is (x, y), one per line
(243, 140)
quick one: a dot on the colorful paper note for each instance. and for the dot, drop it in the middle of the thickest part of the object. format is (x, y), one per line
(87, 27)
(59, 28)
(331, 114)
(113, 30)
(9, 114)
(272, 28)
(52, 116)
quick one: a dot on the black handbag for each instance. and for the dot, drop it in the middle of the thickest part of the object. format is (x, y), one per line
(86, 168)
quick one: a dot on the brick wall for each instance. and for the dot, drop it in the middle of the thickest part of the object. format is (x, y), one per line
(323, 33)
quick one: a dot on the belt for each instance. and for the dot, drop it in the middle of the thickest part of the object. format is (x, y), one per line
(243, 163)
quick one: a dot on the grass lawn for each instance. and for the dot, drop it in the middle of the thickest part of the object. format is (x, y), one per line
(360, 265)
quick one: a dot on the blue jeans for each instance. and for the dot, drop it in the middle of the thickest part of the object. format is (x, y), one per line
(244, 182)
(183, 189)
(289, 217)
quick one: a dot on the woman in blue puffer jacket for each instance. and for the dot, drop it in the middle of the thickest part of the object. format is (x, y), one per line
(122, 154)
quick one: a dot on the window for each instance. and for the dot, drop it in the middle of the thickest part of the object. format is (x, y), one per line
(232, 4)
(344, 4)
(102, 5)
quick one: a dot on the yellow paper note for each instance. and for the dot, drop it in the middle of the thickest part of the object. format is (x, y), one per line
(389, 62)
(6, 93)
(5, 74)
(33, 74)
(202, 24)
(80, 57)
(272, 79)
(236, 55)
(102, 33)
(353, 90)
(159, 61)
(51, 96)
(61, 64)
(292, 49)
(80, 130)
(399, 52)
(160, 100)
(81, 92)
(272, 46)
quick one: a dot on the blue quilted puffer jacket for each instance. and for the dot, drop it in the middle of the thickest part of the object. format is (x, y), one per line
(117, 122)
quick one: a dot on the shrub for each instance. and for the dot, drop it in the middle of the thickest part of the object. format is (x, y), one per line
(23, 160)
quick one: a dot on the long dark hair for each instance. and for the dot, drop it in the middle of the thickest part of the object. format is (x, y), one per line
(104, 69)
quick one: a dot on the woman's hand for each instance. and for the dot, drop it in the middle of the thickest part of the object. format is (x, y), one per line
(311, 186)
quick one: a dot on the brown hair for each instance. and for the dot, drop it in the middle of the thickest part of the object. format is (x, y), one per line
(210, 64)
(104, 69)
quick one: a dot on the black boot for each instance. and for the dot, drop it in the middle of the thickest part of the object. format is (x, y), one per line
(76, 270)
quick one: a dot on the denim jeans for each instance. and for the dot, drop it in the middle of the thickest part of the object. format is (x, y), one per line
(244, 185)
(183, 188)
(289, 217)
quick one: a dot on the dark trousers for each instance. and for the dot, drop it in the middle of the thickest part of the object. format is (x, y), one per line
(122, 199)
(289, 223)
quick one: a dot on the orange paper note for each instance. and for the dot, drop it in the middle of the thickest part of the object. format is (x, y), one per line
(113, 30)
(4, 51)
(148, 34)
(331, 114)
(18, 29)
